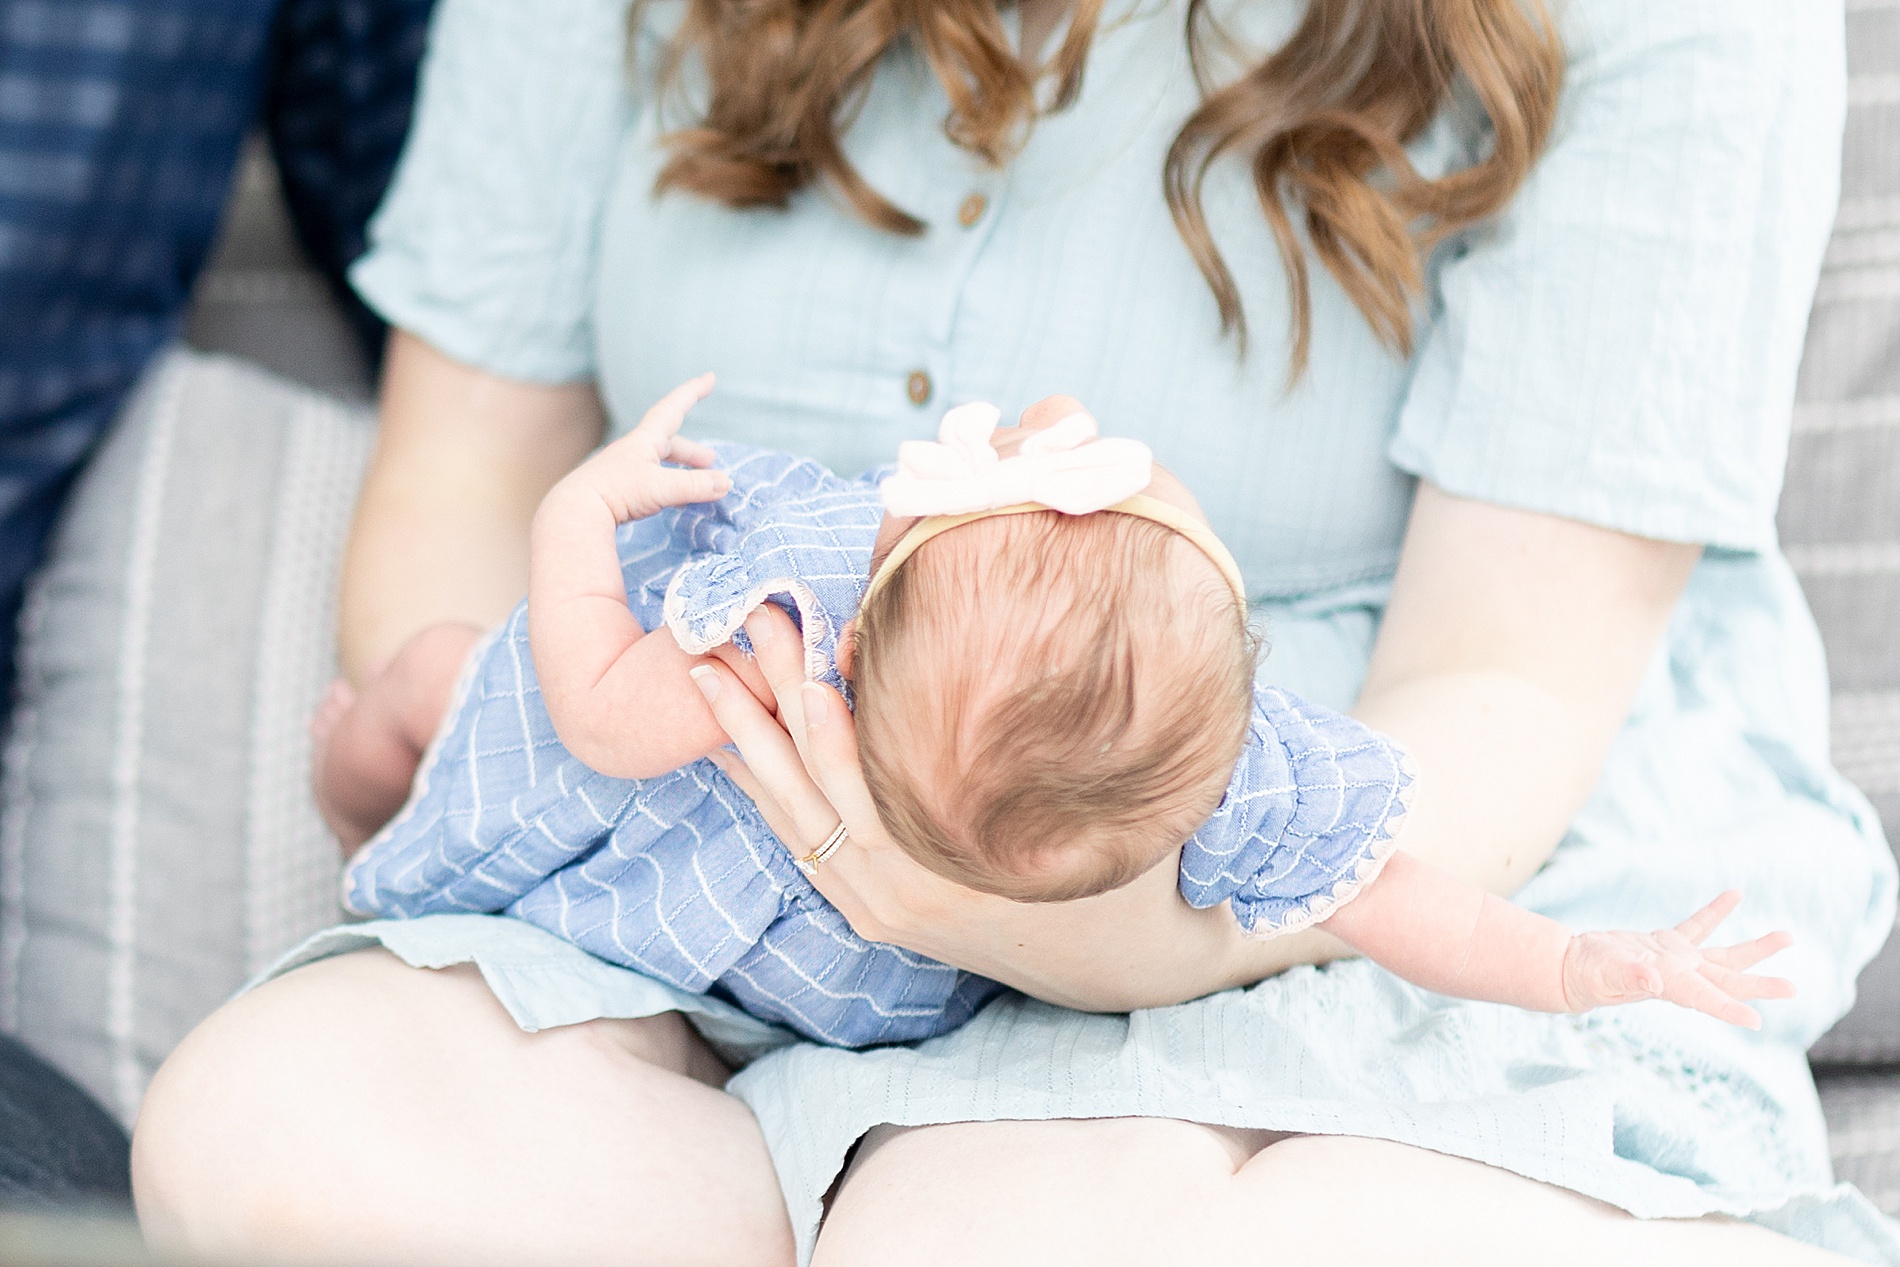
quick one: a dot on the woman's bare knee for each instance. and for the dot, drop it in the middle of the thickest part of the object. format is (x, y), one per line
(1142, 1192)
(1117, 1190)
(361, 1109)
(1342, 1201)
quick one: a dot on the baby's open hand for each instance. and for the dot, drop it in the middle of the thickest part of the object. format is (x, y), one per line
(1617, 967)
(629, 475)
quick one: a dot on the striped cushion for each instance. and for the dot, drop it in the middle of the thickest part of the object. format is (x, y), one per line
(159, 844)
(1863, 1133)
(1840, 513)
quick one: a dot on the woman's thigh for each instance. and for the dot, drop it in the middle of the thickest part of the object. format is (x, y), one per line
(359, 1109)
(1146, 1191)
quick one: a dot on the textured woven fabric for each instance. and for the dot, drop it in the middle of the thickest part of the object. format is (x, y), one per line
(680, 878)
(159, 843)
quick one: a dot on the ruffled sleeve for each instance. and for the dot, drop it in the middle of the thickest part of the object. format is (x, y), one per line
(1620, 345)
(1314, 809)
(792, 533)
(486, 245)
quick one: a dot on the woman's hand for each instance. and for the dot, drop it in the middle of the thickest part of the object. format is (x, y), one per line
(1138, 946)
(801, 769)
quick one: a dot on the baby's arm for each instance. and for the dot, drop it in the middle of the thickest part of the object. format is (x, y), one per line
(619, 696)
(1454, 938)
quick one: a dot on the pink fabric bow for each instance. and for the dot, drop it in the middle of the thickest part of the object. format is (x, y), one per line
(1064, 467)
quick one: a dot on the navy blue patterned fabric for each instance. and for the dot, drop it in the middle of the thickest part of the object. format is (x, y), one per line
(337, 108)
(120, 123)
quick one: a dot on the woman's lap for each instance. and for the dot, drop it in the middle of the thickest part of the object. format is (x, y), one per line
(1661, 1128)
(359, 1108)
(1141, 1191)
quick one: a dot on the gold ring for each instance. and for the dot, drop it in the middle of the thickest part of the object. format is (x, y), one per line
(810, 862)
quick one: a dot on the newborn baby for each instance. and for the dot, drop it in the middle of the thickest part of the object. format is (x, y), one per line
(1052, 672)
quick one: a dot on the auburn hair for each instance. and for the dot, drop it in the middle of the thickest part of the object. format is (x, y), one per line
(1322, 122)
(1048, 703)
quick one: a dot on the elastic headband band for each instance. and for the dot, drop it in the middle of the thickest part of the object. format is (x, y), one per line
(1141, 506)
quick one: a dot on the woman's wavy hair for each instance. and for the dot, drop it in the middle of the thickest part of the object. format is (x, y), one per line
(1323, 122)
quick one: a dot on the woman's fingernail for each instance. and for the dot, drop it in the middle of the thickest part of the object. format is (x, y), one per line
(758, 629)
(707, 681)
(817, 702)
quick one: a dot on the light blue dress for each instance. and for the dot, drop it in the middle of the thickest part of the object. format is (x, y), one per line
(1619, 347)
(680, 878)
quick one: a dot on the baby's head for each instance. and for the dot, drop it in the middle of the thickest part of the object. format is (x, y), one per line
(1050, 704)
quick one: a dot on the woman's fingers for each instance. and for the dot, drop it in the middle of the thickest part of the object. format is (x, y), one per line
(831, 753)
(662, 422)
(779, 651)
(770, 810)
(770, 757)
(1703, 922)
(820, 724)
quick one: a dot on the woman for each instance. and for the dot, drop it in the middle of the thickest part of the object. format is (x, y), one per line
(1575, 619)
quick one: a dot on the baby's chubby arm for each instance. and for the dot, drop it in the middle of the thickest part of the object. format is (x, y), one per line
(619, 696)
(1454, 938)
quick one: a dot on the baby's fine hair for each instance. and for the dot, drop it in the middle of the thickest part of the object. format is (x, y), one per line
(1049, 704)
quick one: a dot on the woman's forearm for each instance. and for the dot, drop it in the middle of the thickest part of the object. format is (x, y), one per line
(462, 460)
(1506, 663)
(1511, 650)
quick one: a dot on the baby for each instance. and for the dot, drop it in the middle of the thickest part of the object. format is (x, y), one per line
(1049, 658)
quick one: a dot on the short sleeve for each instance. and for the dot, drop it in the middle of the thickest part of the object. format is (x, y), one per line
(1313, 811)
(1620, 346)
(486, 244)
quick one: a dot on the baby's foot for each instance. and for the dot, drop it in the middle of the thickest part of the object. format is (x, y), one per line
(360, 770)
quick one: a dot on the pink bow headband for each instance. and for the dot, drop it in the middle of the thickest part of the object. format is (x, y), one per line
(1064, 467)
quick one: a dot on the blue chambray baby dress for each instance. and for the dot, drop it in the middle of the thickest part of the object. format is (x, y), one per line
(679, 878)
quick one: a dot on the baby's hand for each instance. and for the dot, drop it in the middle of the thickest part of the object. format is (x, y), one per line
(1617, 967)
(628, 474)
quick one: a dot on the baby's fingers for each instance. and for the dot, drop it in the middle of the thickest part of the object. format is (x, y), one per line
(690, 453)
(662, 422)
(1745, 955)
(1692, 990)
(1703, 922)
(675, 486)
(1745, 985)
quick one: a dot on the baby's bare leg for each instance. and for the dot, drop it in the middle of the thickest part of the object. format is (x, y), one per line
(368, 743)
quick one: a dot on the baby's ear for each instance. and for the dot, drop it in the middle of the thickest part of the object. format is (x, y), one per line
(848, 648)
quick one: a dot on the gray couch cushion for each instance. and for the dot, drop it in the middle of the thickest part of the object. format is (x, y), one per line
(1863, 1129)
(259, 300)
(158, 843)
(1840, 513)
